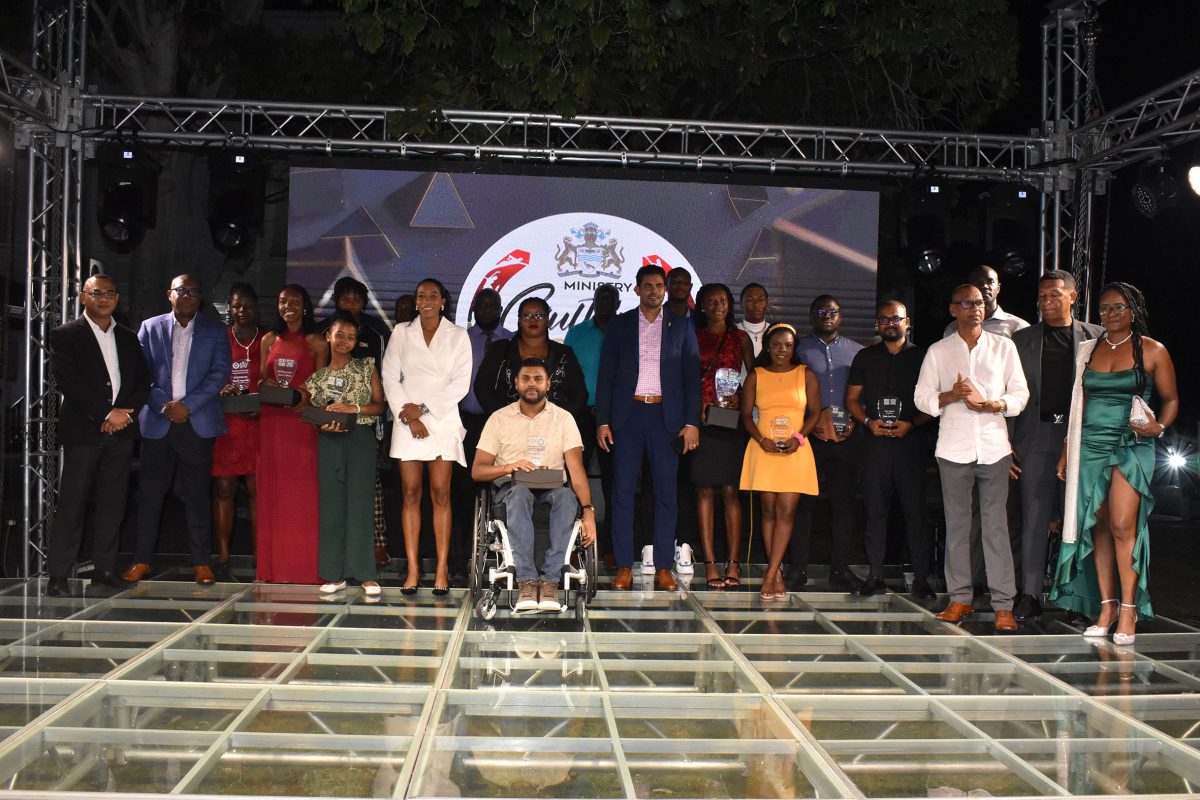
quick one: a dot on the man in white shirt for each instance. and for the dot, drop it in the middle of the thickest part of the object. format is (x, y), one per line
(973, 380)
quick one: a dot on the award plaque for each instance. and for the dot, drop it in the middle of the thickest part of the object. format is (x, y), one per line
(319, 416)
(781, 431)
(724, 414)
(285, 370)
(841, 419)
(887, 410)
(535, 450)
(541, 478)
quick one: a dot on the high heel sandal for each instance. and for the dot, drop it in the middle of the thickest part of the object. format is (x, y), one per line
(716, 584)
(731, 581)
(411, 590)
(1101, 631)
(1126, 638)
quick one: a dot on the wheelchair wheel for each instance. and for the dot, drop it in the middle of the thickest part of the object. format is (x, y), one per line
(479, 548)
(580, 607)
(591, 566)
(485, 607)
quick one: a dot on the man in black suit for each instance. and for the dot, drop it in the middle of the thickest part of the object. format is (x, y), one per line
(1047, 352)
(102, 374)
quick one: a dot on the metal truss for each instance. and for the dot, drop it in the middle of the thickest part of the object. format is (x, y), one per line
(1143, 128)
(41, 99)
(390, 132)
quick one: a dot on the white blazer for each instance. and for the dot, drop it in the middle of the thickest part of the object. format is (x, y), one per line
(438, 375)
(1070, 531)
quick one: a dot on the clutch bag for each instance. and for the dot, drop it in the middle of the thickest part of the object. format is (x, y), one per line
(1139, 412)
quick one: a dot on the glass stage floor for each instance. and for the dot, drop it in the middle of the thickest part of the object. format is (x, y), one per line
(174, 689)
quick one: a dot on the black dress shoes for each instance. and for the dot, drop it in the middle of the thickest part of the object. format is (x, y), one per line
(796, 580)
(58, 587)
(922, 591)
(110, 579)
(1027, 607)
(873, 585)
(840, 581)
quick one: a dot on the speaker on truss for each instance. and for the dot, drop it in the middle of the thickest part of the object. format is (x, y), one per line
(1011, 229)
(237, 184)
(128, 193)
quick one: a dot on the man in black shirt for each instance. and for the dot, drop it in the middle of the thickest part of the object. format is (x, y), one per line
(1047, 352)
(879, 395)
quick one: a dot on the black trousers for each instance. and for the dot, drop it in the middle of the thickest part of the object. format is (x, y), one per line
(837, 477)
(895, 468)
(587, 430)
(184, 451)
(90, 471)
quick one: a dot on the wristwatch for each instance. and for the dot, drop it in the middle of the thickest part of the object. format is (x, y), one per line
(1001, 407)
(424, 408)
(589, 507)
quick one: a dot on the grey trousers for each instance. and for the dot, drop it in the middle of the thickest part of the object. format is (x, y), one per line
(992, 482)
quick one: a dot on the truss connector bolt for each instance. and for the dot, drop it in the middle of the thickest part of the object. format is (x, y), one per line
(328, 147)
(772, 167)
(553, 156)
(478, 153)
(624, 159)
(699, 162)
(403, 149)
(845, 168)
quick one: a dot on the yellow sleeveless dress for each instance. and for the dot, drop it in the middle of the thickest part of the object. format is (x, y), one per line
(779, 395)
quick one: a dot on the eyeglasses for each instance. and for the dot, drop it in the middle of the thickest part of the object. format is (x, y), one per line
(184, 291)
(967, 305)
(531, 315)
(97, 294)
(1115, 308)
(890, 320)
(828, 313)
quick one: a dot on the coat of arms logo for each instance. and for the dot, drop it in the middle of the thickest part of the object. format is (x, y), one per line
(589, 252)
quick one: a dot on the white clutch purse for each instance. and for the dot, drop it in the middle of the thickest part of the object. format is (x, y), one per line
(1139, 412)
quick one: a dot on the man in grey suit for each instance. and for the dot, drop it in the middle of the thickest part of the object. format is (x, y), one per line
(1047, 353)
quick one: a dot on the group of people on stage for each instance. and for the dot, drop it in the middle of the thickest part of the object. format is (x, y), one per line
(752, 405)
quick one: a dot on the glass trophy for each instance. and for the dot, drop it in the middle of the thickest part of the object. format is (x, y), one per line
(727, 382)
(841, 419)
(535, 450)
(240, 374)
(781, 431)
(887, 410)
(285, 371)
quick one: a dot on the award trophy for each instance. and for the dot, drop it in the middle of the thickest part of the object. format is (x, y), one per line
(723, 414)
(283, 394)
(781, 431)
(887, 410)
(841, 419)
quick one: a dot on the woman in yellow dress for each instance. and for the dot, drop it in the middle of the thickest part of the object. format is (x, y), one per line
(778, 462)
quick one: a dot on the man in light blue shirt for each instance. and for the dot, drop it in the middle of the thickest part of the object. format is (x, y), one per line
(586, 338)
(830, 355)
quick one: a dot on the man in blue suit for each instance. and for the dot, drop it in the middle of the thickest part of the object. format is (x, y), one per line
(189, 363)
(648, 401)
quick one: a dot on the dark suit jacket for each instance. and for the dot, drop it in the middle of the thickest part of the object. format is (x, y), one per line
(1025, 432)
(82, 378)
(679, 371)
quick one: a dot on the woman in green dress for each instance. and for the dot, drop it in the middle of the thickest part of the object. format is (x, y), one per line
(1108, 462)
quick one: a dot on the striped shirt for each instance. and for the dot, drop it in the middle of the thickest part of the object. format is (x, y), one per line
(649, 380)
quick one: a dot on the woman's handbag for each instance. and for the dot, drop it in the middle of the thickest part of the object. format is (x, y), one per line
(1139, 412)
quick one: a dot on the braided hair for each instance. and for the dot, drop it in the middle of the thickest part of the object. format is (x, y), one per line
(1139, 326)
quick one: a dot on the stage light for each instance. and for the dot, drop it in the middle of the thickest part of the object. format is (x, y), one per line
(1194, 178)
(1176, 460)
(128, 195)
(1155, 190)
(929, 262)
(1010, 227)
(924, 222)
(235, 200)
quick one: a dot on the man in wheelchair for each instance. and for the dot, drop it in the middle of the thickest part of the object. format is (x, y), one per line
(522, 450)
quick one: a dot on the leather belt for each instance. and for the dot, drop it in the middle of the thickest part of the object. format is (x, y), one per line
(648, 399)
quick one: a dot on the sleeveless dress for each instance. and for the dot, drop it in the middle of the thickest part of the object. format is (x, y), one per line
(288, 503)
(236, 453)
(717, 462)
(778, 395)
(1107, 442)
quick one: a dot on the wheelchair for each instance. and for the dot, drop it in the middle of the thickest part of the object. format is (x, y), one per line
(493, 571)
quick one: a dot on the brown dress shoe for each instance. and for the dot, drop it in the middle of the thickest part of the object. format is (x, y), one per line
(664, 581)
(135, 573)
(956, 611)
(204, 575)
(382, 559)
(1005, 621)
(623, 579)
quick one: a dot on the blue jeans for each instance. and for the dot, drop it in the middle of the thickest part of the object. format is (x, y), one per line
(518, 509)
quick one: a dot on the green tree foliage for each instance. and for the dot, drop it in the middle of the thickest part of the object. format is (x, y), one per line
(887, 63)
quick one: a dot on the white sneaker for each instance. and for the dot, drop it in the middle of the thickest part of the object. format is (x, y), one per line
(331, 587)
(683, 559)
(371, 588)
(648, 560)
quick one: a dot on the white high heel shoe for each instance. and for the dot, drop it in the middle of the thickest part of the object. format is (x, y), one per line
(1126, 638)
(1099, 631)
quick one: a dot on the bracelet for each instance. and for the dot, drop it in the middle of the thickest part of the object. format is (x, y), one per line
(357, 408)
(1162, 430)
(799, 437)
(589, 507)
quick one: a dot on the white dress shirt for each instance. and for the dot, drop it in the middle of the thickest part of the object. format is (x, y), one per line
(1000, 323)
(181, 351)
(108, 348)
(968, 436)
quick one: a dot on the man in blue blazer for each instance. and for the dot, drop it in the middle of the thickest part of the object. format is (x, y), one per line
(648, 401)
(189, 362)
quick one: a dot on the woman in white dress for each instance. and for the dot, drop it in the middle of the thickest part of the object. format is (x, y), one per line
(426, 372)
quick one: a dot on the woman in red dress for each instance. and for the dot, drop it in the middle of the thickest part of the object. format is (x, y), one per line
(287, 447)
(235, 455)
